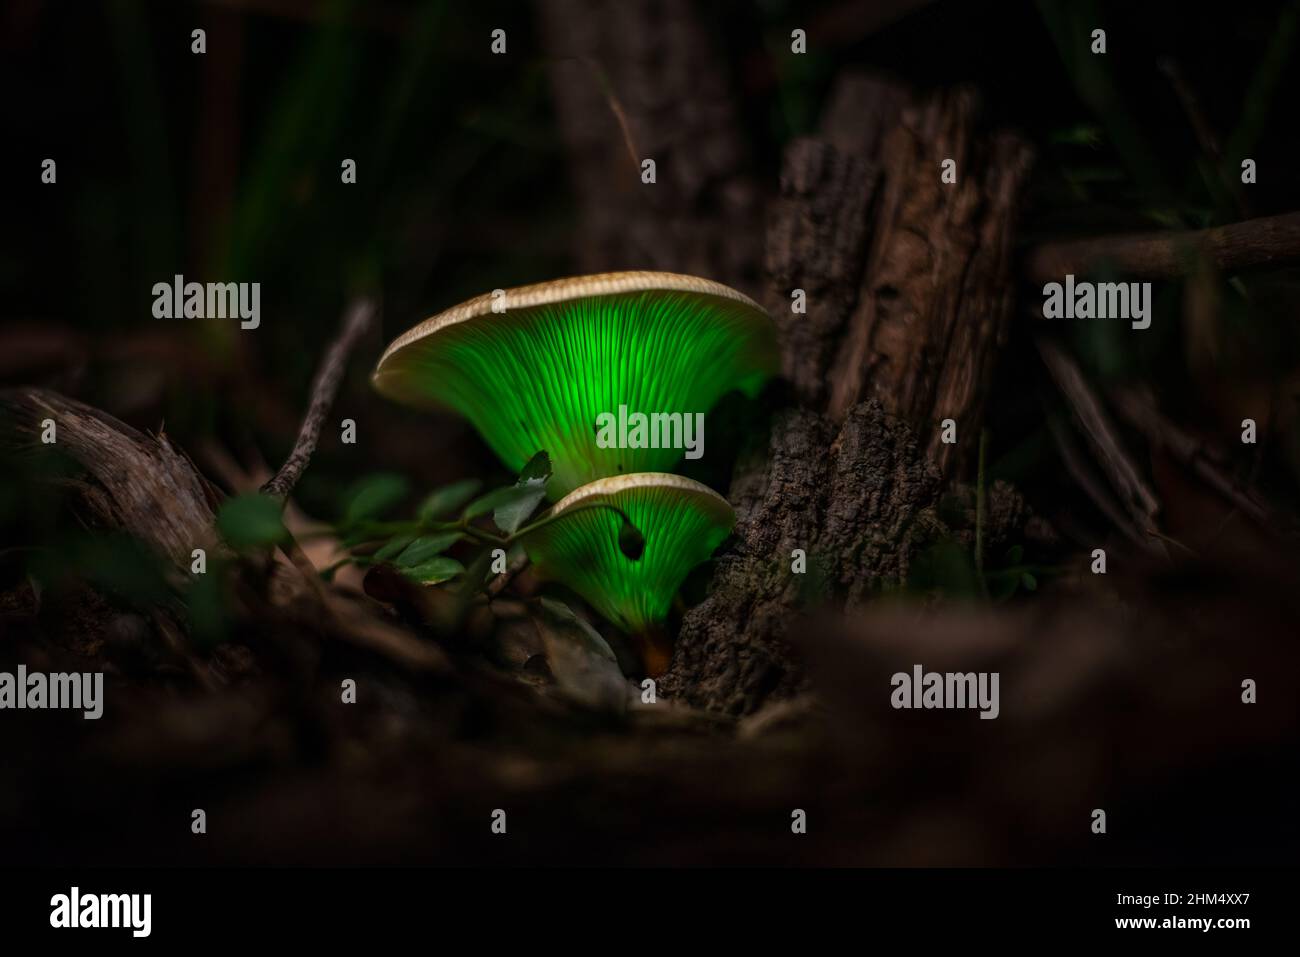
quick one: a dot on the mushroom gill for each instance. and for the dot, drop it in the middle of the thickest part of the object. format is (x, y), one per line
(680, 520)
(532, 368)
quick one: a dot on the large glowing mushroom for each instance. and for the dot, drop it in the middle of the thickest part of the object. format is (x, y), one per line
(681, 523)
(534, 368)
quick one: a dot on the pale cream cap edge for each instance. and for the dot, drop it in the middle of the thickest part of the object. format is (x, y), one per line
(617, 483)
(561, 290)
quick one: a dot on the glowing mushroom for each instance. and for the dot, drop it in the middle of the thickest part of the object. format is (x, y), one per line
(536, 367)
(681, 522)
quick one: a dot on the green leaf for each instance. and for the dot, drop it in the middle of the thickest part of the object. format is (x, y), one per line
(1015, 553)
(1029, 582)
(394, 547)
(251, 521)
(946, 567)
(1081, 134)
(373, 495)
(448, 499)
(582, 662)
(1001, 586)
(438, 569)
(495, 499)
(1259, 97)
(208, 605)
(535, 474)
(475, 576)
(423, 549)
(593, 639)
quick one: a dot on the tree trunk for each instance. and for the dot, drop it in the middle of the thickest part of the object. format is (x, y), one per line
(909, 293)
(638, 80)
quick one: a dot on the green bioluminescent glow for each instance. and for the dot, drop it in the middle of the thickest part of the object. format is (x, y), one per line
(537, 376)
(681, 521)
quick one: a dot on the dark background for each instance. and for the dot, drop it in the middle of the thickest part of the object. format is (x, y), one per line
(226, 167)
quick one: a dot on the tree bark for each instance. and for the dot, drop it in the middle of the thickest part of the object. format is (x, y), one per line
(139, 483)
(934, 305)
(909, 293)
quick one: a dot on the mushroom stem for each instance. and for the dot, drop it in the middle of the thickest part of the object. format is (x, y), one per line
(656, 650)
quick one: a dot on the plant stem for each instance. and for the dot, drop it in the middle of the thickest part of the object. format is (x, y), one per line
(542, 523)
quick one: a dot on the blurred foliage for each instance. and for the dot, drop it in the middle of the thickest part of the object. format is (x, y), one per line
(372, 496)
(1134, 163)
(250, 522)
(532, 489)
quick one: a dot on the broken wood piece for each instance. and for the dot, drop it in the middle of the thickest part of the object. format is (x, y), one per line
(1139, 409)
(1136, 496)
(139, 483)
(1268, 241)
(934, 305)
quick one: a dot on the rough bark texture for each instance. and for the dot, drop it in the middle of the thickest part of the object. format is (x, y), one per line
(853, 498)
(638, 80)
(817, 242)
(935, 299)
(818, 229)
(136, 482)
(909, 296)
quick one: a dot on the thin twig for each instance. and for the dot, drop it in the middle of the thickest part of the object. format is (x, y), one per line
(1137, 498)
(1266, 241)
(1139, 410)
(358, 318)
(1084, 476)
(497, 585)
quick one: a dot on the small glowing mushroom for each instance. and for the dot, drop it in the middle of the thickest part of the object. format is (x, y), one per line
(680, 521)
(535, 368)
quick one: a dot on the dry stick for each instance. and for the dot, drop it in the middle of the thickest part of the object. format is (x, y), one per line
(356, 321)
(360, 314)
(1083, 475)
(1137, 498)
(497, 585)
(1267, 241)
(1139, 410)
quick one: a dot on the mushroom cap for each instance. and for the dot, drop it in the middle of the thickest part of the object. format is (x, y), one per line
(536, 376)
(681, 521)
